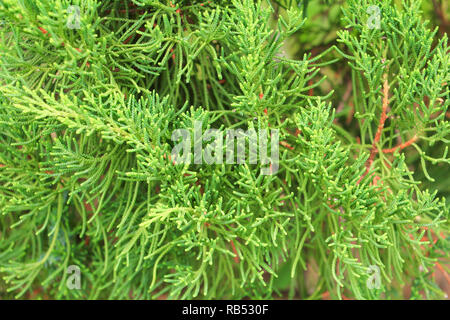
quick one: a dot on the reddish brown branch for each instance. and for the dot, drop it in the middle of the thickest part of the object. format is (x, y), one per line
(236, 258)
(438, 265)
(383, 118)
(401, 146)
(287, 145)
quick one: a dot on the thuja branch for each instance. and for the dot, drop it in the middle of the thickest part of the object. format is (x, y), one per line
(383, 117)
(402, 145)
(87, 179)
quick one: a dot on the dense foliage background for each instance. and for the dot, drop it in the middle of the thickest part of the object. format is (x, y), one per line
(88, 106)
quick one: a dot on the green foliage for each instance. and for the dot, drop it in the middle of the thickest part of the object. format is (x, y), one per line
(86, 178)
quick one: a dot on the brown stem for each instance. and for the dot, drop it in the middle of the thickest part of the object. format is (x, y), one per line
(383, 118)
(401, 146)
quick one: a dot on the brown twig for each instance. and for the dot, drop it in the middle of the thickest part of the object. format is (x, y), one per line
(383, 117)
(236, 257)
(402, 145)
(447, 277)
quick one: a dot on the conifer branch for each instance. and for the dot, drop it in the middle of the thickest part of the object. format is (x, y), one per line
(88, 178)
